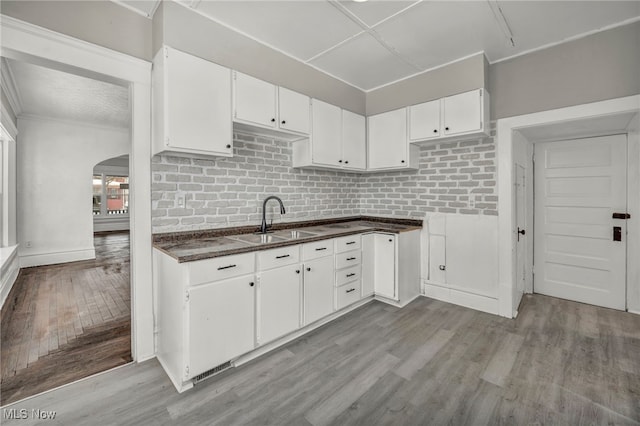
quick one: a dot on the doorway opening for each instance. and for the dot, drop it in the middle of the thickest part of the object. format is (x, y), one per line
(68, 314)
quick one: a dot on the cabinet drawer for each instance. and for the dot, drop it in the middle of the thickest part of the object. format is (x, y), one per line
(219, 268)
(352, 242)
(317, 249)
(348, 294)
(349, 258)
(347, 275)
(278, 257)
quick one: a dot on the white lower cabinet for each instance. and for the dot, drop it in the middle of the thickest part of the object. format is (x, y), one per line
(318, 289)
(222, 311)
(279, 294)
(385, 266)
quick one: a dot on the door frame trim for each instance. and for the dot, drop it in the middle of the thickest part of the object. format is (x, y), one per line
(24, 41)
(509, 130)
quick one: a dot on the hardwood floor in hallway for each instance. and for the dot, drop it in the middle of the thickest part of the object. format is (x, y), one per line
(64, 322)
(430, 363)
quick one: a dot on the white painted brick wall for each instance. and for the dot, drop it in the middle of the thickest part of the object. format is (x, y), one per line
(222, 192)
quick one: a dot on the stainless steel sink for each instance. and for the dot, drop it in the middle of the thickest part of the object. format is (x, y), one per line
(259, 238)
(294, 234)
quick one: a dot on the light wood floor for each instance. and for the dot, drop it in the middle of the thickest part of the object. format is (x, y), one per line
(429, 363)
(67, 321)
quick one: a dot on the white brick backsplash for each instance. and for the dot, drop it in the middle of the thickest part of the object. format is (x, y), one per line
(454, 177)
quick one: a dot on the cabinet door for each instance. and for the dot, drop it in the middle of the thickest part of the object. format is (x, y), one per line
(354, 141)
(368, 264)
(197, 104)
(463, 112)
(424, 121)
(294, 108)
(279, 302)
(326, 133)
(221, 322)
(385, 266)
(318, 289)
(254, 100)
(388, 140)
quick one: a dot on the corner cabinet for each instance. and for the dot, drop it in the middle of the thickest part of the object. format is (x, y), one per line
(191, 105)
(453, 117)
(389, 147)
(391, 266)
(338, 140)
(262, 107)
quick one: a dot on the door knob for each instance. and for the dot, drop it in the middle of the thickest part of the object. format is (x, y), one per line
(520, 232)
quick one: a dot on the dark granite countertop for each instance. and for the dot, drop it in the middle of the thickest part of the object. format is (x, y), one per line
(197, 245)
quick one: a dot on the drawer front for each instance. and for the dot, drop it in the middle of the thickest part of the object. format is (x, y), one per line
(347, 275)
(352, 242)
(278, 257)
(220, 268)
(349, 258)
(317, 249)
(348, 294)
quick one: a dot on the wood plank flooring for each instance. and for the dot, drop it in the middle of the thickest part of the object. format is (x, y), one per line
(67, 321)
(559, 362)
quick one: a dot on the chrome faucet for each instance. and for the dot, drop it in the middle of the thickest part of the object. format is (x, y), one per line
(264, 226)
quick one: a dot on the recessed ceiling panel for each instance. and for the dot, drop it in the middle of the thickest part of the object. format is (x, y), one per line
(434, 33)
(372, 12)
(538, 23)
(50, 93)
(364, 63)
(300, 28)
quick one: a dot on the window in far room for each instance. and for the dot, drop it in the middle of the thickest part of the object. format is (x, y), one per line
(110, 195)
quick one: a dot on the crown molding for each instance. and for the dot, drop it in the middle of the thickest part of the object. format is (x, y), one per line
(8, 83)
(7, 128)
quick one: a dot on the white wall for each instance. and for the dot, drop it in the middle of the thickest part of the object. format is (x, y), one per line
(55, 168)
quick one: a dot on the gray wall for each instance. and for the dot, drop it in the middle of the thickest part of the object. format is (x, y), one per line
(458, 77)
(185, 30)
(601, 66)
(100, 22)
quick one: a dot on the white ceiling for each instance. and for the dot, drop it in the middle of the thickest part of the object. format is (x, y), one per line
(377, 42)
(45, 92)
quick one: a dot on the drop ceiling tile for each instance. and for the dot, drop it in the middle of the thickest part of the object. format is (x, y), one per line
(302, 29)
(434, 33)
(363, 62)
(372, 12)
(537, 23)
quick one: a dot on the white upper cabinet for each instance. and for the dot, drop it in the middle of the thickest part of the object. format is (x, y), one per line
(326, 144)
(191, 105)
(354, 141)
(388, 142)
(465, 114)
(424, 121)
(254, 100)
(294, 110)
(262, 105)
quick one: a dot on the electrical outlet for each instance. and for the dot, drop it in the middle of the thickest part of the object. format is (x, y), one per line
(181, 200)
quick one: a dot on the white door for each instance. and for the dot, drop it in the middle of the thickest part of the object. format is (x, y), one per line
(385, 271)
(326, 138)
(198, 104)
(318, 289)
(295, 111)
(579, 184)
(388, 144)
(424, 121)
(278, 302)
(211, 341)
(521, 236)
(463, 112)
(354, 141)
(254, 100)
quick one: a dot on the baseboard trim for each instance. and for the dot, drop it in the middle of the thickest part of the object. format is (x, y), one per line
(10, 267)
(468, 300)
(631, 311)
(38, 259)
